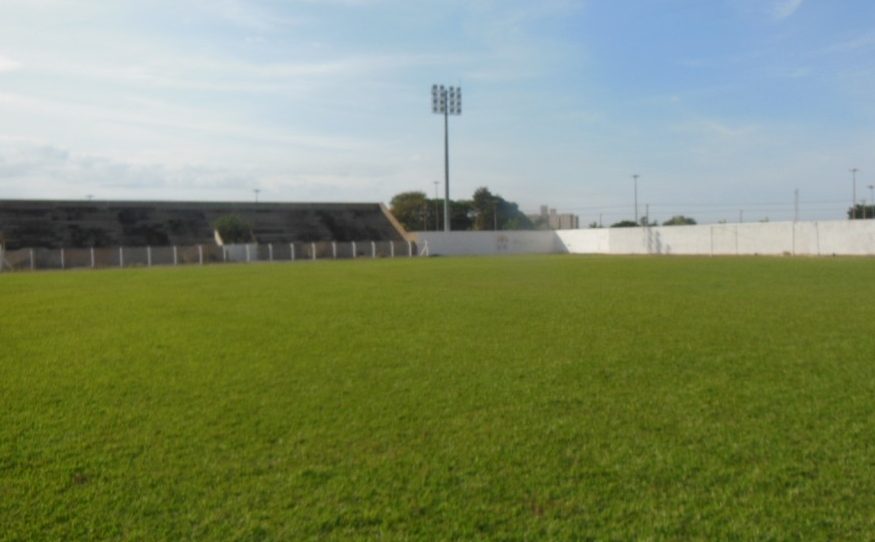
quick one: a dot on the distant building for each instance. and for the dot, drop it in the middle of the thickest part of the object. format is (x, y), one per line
(552, 220)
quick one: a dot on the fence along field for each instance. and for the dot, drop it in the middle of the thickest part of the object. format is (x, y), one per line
(533, 397)
(32, 259)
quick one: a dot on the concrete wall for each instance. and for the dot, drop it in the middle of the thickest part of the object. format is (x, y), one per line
(772, 238)
(596, 241)
(467, 243)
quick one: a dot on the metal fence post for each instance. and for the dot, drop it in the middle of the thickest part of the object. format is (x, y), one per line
(353, 250)
(373, 249)
(313, 250)
(392, 249)
(247, 252)
(175, 256)
(334, 249)
(92, 257)
(200, 254)
(292, 248)
(62, 259)
(224, 253)
(121, 256)
(1, 258)
(409, 249)
(270, 252)
(32, 264)
(149, 256)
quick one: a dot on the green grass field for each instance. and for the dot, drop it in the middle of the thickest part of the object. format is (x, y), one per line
(510, 398)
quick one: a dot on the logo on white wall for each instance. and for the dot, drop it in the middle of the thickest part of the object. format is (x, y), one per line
(502, 243)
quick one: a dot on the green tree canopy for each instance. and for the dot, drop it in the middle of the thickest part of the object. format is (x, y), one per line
(861, 211)
(679, 220)
(233, 229)
(492, 212)
(412, 210)
(484, 211)
(625, 224)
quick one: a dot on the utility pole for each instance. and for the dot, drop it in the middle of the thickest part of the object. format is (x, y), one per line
(635, 177)
(446, 102)
(740, 216)
(647, 214)
(256, 190)
(854, 204)
(495, 216)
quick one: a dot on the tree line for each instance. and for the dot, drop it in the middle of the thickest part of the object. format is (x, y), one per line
(484, 211)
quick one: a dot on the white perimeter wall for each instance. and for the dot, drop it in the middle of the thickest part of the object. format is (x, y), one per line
(459, 243)
(802, 238)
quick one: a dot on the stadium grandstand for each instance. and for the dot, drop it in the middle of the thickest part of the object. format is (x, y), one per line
(87, 223)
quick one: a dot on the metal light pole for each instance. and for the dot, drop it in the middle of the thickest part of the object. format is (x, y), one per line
(436, 219)
(854, 204)
(256, 190)
(635, 177)
(446, 102)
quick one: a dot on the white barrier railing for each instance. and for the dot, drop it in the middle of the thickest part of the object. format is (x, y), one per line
(103, 257)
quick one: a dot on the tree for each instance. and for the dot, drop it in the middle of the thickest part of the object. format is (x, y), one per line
(861, 211)
(233, 229)
(484, 211)
(412, 210)
(460, 215)
(625, 224)
(679, 220)
(492, 212)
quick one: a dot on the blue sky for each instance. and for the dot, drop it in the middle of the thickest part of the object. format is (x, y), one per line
(719, 105)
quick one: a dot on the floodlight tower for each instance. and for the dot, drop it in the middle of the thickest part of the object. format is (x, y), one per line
(446, 102)
(436, 196)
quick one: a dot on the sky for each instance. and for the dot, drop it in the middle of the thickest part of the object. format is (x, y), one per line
(721, 106)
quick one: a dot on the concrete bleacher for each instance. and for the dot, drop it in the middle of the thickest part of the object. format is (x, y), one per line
(57, 224)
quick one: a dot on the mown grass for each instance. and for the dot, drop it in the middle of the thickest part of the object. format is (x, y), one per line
(508, 398)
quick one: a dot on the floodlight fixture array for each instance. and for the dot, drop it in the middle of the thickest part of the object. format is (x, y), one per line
(446, 101)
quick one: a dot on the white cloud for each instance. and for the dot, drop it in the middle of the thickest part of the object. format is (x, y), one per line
(785, 8)
(29, 168)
